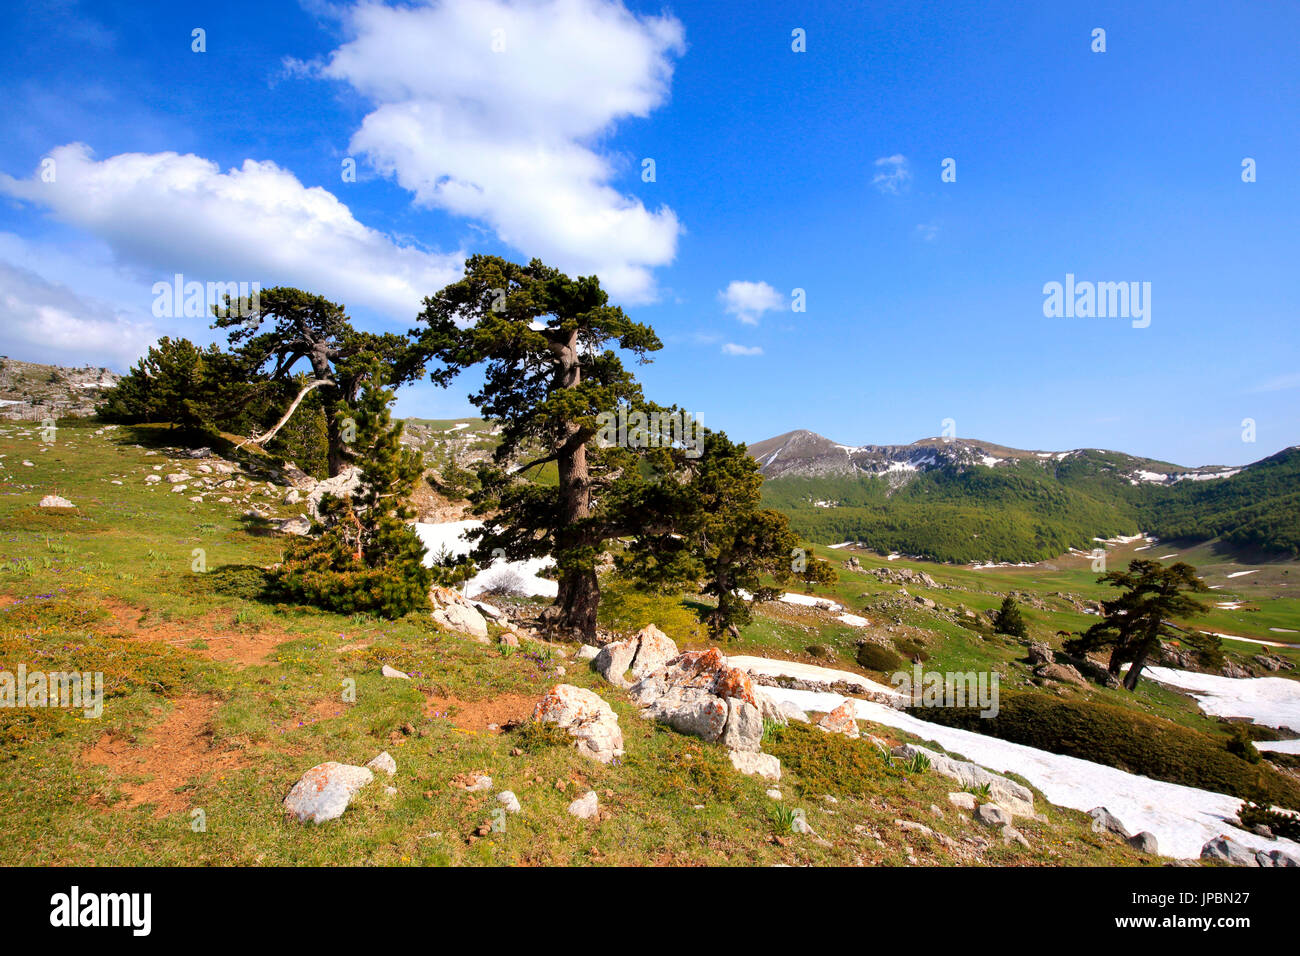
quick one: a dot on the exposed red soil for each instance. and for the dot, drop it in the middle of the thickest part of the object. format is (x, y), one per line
(168, 755)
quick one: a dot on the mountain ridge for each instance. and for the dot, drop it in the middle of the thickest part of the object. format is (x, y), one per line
(963, 500)
(809, 454)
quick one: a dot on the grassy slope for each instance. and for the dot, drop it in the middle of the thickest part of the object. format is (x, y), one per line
(218, 703)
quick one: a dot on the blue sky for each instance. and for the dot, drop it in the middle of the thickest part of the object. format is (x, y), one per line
(775, 170)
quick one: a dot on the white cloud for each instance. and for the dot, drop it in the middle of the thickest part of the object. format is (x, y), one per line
(162, 213)
(747, 301)
(927, 231)
(1279, 383)
(893, 174)
(45, 321)
(731, 348)
(508, 137)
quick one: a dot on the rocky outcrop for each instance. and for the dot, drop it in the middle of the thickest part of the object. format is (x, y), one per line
(587, 718)
(324, 791)
(992, 815)
(343, 485)
(1065, 673)
(644, 653)
(462, 618)
(698, 693)
(1224, 849)
(1009, 795)
(56, 501)
(842, 720)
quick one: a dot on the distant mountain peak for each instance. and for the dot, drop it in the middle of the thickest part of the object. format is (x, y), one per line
(804, 453)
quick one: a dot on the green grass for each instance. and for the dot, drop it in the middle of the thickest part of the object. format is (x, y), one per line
(109, 587)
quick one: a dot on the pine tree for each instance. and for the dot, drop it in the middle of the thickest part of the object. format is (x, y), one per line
(549, 374)
(723, 542)
(362, 554)
(1134, 623)
(1009, 620)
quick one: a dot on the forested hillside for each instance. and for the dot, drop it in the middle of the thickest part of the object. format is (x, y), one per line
(1031, 509)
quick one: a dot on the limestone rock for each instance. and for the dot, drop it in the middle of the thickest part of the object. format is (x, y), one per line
(644, 653)
(508, 800)
(1275, 858)
(1040, 653)
(588, 719)
(585, 807)
(992, 815)
(462, 618)
(393, 672)
(56, 501)
(698, 693)
(1103, 821)
(324, 791)
(1010, 796)
(1145, 842)
(1066, 673)
(842, 720)
(300, 525)
(1227, 850)
(756, 764)
(343, 485)
(384, 762)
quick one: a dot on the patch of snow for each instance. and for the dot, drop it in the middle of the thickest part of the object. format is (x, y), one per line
(853, 620)
(807, 600)
(449, 536)
(1279, 746)
(1274, 701)
(1238, 574)
(771, 667)
(1248, 640)
(1206, 475)
(1183, 819)
(842, 544)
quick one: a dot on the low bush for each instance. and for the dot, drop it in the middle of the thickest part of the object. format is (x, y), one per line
(1281, 824)
(815, 762)
(877, 658)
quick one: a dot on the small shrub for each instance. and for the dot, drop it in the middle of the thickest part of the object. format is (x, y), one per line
(912, 649)
(876, 658)
(1240, 745)
(245, 581)
(818, 762)
(1286, 825)
(534, 736)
